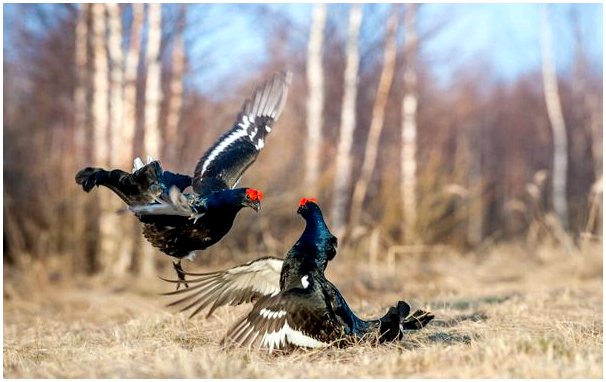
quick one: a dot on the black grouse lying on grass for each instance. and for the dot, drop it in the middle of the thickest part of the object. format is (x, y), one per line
(180, 223)
(295, 305)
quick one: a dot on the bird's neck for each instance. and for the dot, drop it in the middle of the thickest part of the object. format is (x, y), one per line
(310, 251)
(316, 228)
(226, 201)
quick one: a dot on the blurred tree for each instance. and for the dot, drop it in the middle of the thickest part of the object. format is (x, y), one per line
(408, 164)
(153, 88)
(130, 76)
(342, 178)
(107, 247)
(82, 145)
(121, 139)
(175, 96)
(153, 99)
(376, 124)
(556, 119)
(315, 100)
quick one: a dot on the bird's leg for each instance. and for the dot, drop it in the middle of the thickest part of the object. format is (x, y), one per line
(180, 274)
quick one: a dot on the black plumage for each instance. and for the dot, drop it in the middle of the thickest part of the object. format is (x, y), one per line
(180, 223)
(295, 305)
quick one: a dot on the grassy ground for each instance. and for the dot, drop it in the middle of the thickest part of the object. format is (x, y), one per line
(507, 313)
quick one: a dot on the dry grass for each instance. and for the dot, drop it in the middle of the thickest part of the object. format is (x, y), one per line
(508, 313)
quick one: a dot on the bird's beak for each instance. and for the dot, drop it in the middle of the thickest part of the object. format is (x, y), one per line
(254, 204)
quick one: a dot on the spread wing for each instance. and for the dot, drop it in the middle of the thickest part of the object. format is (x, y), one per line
(142, 186)
(294, 318)
(234, 286)
(224, 163)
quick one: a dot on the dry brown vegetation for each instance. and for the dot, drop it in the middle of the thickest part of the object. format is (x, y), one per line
(510, 312)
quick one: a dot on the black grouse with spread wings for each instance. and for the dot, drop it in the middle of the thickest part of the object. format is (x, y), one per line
(180, 223)
(295, 305)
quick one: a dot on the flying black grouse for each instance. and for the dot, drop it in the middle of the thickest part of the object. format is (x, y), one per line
(180, 223)
(295, 304)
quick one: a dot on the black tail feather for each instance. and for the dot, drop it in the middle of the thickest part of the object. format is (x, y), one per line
(398, 319)
(417, 320)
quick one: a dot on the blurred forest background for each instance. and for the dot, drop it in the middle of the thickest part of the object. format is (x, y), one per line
(410, 142)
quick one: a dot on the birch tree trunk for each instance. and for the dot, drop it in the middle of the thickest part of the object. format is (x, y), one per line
(175, 100)
(100, 87)
(81, 52)
(121, 138)
(376, 124)
(121, 154)
(80, 219)
(556, 119)
(153, 90)
(315, 100)
(153, 97)
(130, 77)
(101, 145)
(408, 164)
(342, 177)
(127, 131)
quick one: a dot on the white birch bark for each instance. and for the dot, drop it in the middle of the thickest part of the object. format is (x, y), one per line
(121, 137)
(343, 169)
(107, 240)
(130, 77)
(153, 98)
(556, 119)
(80, 218)
(81, 52)
(408, 164)
(376, 124)
(175, 100)
(120, 148)
(315, 100)
(153, 90)
(100, 87)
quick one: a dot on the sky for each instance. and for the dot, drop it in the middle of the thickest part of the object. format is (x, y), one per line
(505, 36)
(226, 40)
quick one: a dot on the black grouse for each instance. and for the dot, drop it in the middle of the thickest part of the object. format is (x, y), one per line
(180, 223)
(295, 305)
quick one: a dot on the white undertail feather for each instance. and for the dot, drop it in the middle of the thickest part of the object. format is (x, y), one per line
(137, 164)
(305, 281)
(285, 335)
